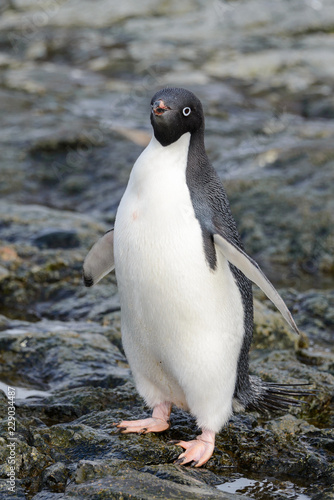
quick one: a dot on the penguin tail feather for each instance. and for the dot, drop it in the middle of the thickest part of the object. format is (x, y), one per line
(269, 396)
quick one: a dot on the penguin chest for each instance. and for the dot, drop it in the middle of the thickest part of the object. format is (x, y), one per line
(158, 241)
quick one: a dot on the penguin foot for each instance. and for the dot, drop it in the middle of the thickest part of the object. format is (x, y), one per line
(143, 426)
(198, 451)
(157, 423)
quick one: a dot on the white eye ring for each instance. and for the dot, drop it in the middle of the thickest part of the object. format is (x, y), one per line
(186, 111)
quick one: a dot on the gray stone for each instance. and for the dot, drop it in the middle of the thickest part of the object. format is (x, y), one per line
(53, 238)
(56, 355)
(141, 485)
(54, 478)
(76, 80)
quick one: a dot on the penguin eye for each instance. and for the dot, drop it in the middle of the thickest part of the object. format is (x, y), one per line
(186, 111)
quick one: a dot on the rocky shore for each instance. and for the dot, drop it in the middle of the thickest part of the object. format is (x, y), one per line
(76, 78)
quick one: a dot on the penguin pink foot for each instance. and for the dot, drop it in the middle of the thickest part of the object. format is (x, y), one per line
(157, 423)
(198, 450)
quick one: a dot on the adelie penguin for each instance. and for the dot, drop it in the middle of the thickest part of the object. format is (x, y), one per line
(184, 283)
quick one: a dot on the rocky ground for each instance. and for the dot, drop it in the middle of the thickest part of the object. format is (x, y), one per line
(75, 83)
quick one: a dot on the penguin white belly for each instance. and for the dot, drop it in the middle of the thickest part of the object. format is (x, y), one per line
(182, 322)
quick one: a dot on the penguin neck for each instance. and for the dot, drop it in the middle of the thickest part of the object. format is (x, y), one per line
(197, 140)
(174, 155)
(197, 158)
(157, 163)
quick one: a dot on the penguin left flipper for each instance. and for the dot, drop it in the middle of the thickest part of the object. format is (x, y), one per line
(252, 271)
(99, 260)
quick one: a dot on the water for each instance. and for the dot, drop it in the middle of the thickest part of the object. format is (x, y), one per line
(23, 392)
(266, 489)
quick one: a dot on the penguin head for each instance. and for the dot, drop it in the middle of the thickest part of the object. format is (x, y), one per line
(175, 111)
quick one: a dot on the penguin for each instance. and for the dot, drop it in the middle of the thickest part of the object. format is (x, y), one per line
(185, 284)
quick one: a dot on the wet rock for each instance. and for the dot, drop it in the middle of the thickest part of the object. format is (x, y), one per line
(29, 460)
(68, 405)
(46, 495)
(75, 87)
(285, 212)
(271, 331)
(55, 355)
(20, 223)
(4, 273)
(55, 477)
(284, 367)
(287, 454)
(95, 304)
(44, 265)
(74, 426)
(144, 485)
(4, 323)
(36, 80)
(314, 312)
(56, 239)
(97, 456)
(8, 254)
(18, 494)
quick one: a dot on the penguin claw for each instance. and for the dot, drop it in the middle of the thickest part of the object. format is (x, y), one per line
(118, 428)
(184, 461)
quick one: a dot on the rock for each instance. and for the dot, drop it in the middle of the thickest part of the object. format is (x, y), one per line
(48, 264)
(76, 427)
(18, 494)
(56, 355)
(8, 254)
(4, 323)
(20, 223)
(281, 437)
(314, 312)
(53, 238)
(306, 252)
(142, 485)
(284, 367)
(54, 478)
(271, 330)
(4, 273)
(74, 113)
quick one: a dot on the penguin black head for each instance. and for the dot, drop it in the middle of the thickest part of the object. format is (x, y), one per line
(175, 111)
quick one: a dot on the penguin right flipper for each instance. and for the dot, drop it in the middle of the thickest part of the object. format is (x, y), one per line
(252, 271)
(99, 260)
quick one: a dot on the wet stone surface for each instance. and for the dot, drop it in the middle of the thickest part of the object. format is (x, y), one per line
(76, 79)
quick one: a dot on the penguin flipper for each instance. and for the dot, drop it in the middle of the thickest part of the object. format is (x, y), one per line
(252, 271)
(99, 260)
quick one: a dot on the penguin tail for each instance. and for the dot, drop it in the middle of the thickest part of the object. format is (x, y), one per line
(269, 396)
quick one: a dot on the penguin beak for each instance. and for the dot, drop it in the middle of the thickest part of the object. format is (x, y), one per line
(159, 107)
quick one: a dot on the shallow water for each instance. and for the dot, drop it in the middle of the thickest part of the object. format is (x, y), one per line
(264, 489)
(23, 392)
